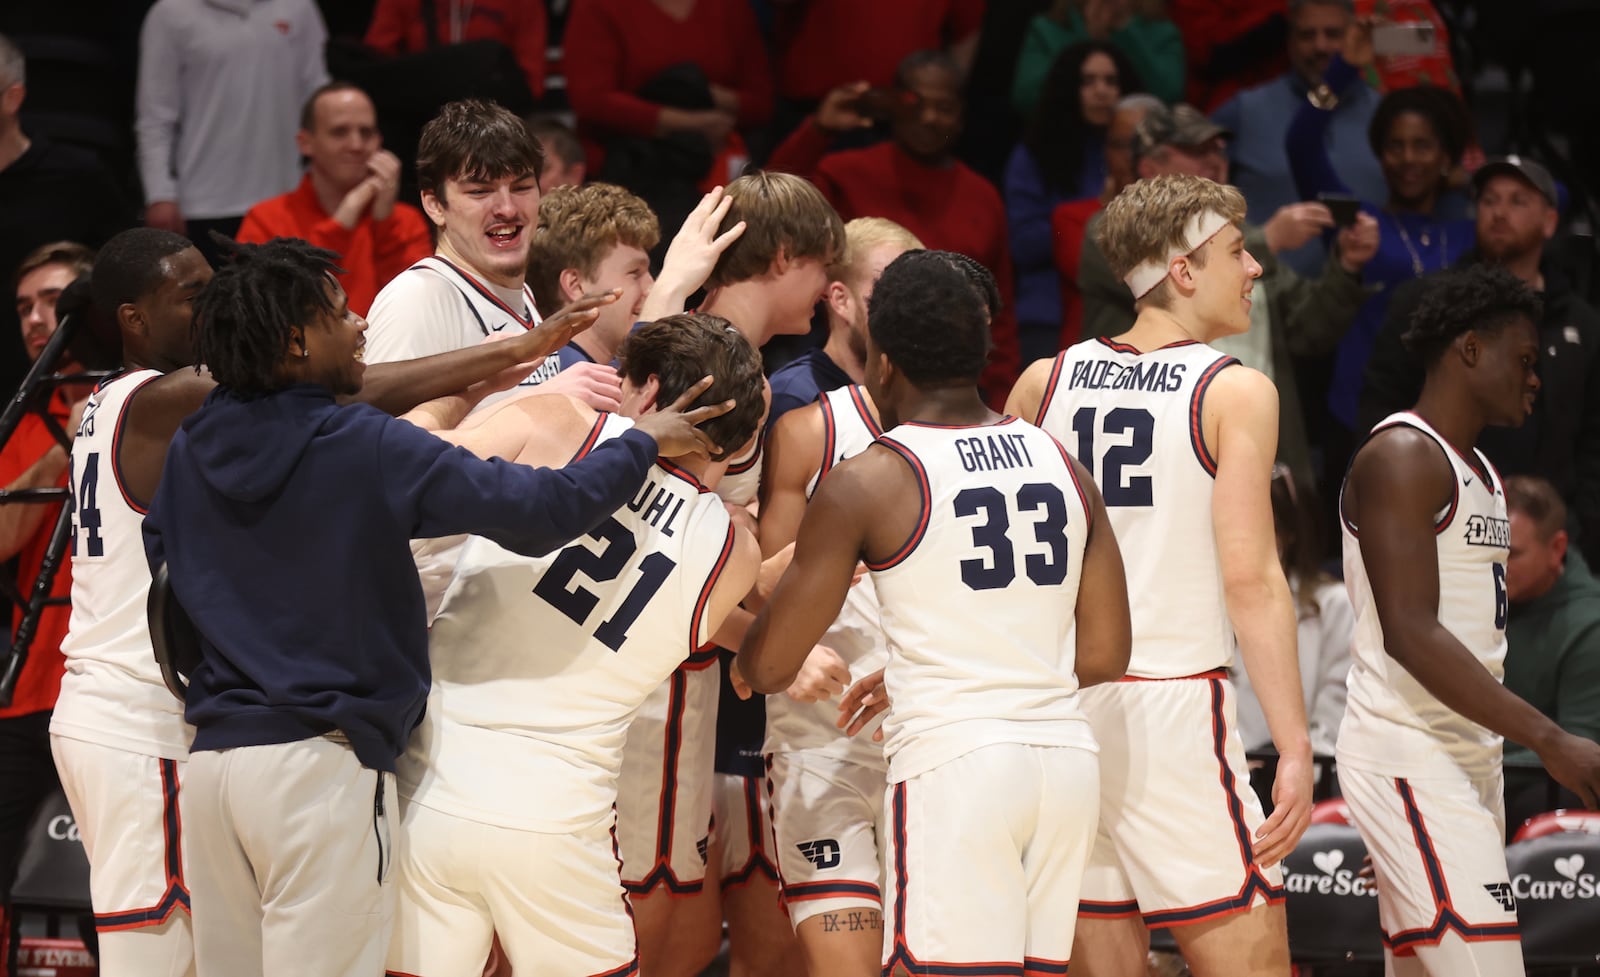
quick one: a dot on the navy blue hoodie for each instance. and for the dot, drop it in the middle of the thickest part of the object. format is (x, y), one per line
(285, 523)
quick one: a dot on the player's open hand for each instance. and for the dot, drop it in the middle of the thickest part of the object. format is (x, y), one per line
(823, 676)
(697, 245)
(558, 330)
(862, 703)
(596, 384)
(741, 687)
(1295, 224)
(674, 428)
(1574, 762)
(1291, 813)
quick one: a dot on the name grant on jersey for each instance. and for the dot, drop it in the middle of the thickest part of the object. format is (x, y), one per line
(987, 453)
(1149, 377)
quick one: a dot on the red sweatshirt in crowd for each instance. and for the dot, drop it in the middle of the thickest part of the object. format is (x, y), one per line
(612, 47)
(397, 28)
(40, 681)
(371, 253)
(827, 43)
(950, 207)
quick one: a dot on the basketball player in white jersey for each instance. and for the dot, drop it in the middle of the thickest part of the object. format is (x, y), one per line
(765, 282)
(992, 558)
(118, 734)
(511, 779)
(827, 788)
(478, 169)
(1181, 439)
(1425, 546)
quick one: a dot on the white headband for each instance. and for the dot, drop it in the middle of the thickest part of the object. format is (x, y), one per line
(1201, 228)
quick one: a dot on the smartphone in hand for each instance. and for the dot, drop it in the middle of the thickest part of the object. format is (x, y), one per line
(1342, 206)
(1415, 39)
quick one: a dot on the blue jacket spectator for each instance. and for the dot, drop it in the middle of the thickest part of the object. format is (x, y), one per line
(1259, 120)
(1419, 135)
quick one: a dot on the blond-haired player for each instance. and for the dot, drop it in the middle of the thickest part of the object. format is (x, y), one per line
(1181, 440)
(827, 788)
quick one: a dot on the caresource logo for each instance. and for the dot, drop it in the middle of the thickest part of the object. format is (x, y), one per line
(1574, 882)
(62, 828)
(1331, 878)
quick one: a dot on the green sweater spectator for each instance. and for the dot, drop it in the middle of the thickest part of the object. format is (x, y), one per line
(1553, 638)
(1154, 47)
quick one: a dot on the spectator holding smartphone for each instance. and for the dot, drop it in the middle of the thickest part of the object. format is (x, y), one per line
(1419, 135)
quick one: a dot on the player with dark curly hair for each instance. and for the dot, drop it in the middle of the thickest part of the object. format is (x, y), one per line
(986, 543)
(931, 319)
(1426, 539)
(119, 737)
(1484, 298)
(284, 520)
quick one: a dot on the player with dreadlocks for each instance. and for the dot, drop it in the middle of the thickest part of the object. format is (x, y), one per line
(284, 519)
(119, 738)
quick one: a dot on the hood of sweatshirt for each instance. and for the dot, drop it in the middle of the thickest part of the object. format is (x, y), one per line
(247, 448)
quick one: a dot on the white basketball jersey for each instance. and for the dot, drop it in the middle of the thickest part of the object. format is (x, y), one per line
(112, 693)
(436, 307)
(540, 664)
(1133, 420)
(1392, 725)
(978, 606)
(856, 634)
(743, 477)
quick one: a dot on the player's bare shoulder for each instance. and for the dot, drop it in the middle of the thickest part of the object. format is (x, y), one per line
(1238, 399)
(1027, 397)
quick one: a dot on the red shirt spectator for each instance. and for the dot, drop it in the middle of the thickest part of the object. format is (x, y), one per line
(40, 681)
(612, 47)
(1230, 45)
(914, 181)
(346, 201)
(828, 43)
(1069, 222)
(397, 28)
(371, 253)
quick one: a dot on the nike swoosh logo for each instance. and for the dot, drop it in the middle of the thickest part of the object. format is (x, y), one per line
(1467, 482)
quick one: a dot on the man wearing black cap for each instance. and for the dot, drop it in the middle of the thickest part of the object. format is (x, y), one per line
(1299, 317)
(1518, 209)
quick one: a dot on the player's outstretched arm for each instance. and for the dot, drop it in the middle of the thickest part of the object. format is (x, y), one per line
(1240, 425)
(830, 541)
(1028, 395)
(152, 418)
(1104, 625)
(542, 431)
(399, 386)
(1398, 482)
